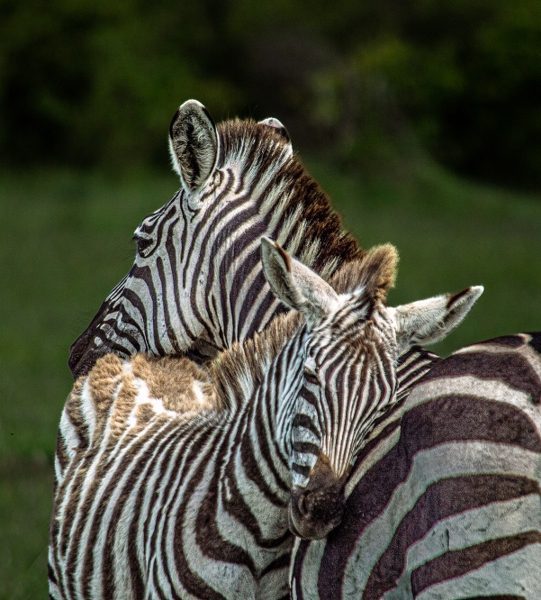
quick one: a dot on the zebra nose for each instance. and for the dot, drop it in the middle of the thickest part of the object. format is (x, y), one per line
(315, 510)
(313, 514)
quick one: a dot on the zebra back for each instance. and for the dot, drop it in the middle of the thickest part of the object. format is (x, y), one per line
(444, 500)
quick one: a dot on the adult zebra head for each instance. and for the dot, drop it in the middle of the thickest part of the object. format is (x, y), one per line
(350, 378)
(196, 282)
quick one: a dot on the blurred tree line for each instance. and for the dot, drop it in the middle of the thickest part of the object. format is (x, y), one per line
(94, 82)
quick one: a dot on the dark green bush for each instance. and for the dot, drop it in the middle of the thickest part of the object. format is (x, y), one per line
(94, 82)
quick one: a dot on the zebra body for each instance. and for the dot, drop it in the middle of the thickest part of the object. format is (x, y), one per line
(444, 501)
(144, 511)
(187, 481)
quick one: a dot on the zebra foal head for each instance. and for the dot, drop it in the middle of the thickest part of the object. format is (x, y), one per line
(354, 342)
(196, 282)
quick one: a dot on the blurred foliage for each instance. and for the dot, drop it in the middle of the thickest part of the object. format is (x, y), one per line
(371, 84)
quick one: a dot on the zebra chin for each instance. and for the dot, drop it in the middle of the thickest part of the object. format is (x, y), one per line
(313, 514)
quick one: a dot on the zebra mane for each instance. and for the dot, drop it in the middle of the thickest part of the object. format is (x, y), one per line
(247, 142)
(243, 366)
(375, 270)
(240, 368)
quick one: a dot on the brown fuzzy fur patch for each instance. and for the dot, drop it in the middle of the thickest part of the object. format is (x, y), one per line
(376, 269)
(379, 270)
(122, 397)
(103, 381)
(123, 406)
(182, 385)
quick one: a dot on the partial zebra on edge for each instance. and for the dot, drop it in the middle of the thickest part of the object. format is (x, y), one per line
(161, 504)
(445, 499)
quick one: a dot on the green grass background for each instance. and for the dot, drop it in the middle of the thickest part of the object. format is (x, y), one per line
(66, 240)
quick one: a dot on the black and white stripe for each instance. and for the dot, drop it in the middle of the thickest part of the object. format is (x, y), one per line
(445, 499)
(160, 503)
(150, 310)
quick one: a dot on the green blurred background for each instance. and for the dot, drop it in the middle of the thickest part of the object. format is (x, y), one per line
(421, 119)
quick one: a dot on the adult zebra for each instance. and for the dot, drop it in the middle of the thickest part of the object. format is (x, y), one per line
(164, 500)
(196, 284)
(445, 498)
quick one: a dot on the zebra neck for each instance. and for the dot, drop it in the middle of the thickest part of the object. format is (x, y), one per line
(239, 372)
(260, 379)
(236, 312)
(256, 474)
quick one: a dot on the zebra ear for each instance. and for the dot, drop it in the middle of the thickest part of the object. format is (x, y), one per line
(278, 127)
(428, 321)
(295, 284)
(193, 144)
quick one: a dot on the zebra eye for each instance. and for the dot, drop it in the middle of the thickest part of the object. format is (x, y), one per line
(142, 243)
(310, 364)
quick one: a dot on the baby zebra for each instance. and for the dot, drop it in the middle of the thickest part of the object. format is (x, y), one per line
(190, 482)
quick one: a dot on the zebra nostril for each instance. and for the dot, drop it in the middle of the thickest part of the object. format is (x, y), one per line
(321, 505)
(302, 505)
(314, 513)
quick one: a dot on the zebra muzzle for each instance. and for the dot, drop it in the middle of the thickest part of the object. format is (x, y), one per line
(315, 510)
(314, 514)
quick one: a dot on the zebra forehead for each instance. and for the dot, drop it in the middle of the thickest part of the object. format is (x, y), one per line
(366, 330)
